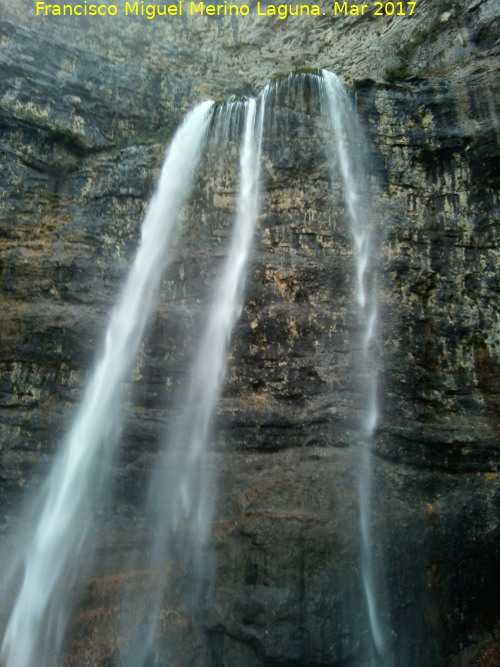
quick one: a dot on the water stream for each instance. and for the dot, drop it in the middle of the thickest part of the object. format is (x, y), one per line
(346, 149)
(77, 483)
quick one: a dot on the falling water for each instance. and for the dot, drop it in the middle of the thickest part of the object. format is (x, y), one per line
(180, 488)
(77, 481)
(180, 496)
(342, 123)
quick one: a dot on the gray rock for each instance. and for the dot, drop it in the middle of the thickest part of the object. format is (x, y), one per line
(85, 112)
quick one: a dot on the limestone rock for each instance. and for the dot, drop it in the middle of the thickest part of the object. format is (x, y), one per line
(85, 112)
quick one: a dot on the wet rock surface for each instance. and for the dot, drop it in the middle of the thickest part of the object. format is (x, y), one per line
(82, 139)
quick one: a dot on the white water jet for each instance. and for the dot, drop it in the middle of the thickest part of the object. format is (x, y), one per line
(76, 485)
(341, 117)
(180, 489)
(210, 366)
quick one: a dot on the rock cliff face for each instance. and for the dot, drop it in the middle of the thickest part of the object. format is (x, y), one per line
(85, 112)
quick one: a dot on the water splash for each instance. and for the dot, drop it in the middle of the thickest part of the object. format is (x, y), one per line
(343, 125)
(180, 490)
(76, 484)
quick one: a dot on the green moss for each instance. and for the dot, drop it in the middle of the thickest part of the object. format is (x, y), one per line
(363, 84)
(307, 70)
(220, 102)
(72, 141)
(280, 76)
(420, 38)
(51, 132)
(161, 136)
(429, 34)
(237, 98)
(399, 73)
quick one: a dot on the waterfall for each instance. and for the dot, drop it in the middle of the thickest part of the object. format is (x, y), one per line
(76, 484)
(180, 498)
(347, 149)
(180, 489)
